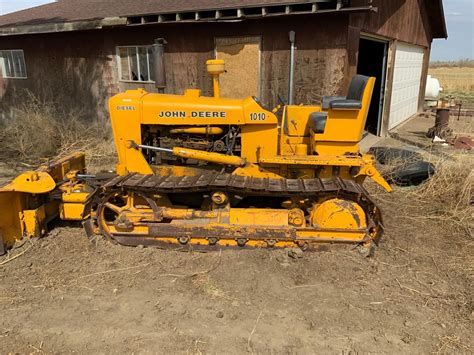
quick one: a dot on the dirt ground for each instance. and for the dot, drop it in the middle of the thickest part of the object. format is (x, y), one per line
(68, 294)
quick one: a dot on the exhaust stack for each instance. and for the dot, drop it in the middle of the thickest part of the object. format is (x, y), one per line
(291, 84)
(159, 63)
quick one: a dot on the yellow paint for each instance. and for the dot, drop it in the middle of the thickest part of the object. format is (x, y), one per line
(258, 217)
(73, 204)
(215, 67)
(33, 222)
(209, 156)
(256, 171)
(259, 141)
(35, 182)
(296, 120)
(338, 213)
(176, 170)
(25, 206)
(71, 211)
(198, 130)
(11, 205)
(344, 128)
(368, 169)
(332, 220)
(270, 147)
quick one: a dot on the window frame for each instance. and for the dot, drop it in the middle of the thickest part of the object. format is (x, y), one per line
(119, 64)
(3, 66)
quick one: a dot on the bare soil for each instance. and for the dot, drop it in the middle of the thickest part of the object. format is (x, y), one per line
(68, 294)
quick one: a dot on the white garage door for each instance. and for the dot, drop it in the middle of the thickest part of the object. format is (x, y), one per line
(406, 83)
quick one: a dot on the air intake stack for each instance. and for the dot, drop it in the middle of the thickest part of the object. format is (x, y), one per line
(216, 67)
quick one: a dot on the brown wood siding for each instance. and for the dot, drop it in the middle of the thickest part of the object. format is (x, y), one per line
(61, 68)
(404, 20)
(79, 69)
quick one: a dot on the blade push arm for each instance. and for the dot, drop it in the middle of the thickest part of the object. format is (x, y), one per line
(187, 153)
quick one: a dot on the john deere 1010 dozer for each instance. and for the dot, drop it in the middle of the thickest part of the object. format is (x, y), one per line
(200, 172)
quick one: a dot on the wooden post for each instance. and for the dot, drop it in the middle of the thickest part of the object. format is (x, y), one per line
(388, 88)
(424, 79)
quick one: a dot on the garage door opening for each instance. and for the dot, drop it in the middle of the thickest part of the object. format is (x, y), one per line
(372, 61)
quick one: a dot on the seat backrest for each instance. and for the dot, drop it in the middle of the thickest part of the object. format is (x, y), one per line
(345, 125)
(357, 87)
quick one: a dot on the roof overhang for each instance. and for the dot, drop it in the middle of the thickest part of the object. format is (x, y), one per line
(246, 13)
(63, 26)
(437, 19)
(224, 14)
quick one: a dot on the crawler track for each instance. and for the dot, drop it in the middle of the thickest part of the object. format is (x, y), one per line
(209, 182)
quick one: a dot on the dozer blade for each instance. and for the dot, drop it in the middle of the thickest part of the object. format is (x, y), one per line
(27, 203)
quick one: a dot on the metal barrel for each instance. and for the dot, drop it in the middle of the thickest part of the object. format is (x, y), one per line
(442, 117)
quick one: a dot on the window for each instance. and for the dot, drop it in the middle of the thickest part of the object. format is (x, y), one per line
(12, 63)
(136, 63)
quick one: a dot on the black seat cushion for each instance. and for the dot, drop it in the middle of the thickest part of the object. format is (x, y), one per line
(328, 99)
(353, 100)
(317, 121)
(346, 104)
(357, 87)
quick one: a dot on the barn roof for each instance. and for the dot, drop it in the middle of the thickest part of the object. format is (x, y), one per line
(437, 19)
(68, 15)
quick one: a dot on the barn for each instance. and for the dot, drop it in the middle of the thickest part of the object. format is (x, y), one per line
(80, 52)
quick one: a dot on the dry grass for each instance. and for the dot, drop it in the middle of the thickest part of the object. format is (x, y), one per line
(448, 194)
(462, 127)
(463, 63)
(454, 78)
(41, 130)
(457, 82)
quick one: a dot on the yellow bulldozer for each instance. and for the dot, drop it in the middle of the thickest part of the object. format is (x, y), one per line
(198, 172)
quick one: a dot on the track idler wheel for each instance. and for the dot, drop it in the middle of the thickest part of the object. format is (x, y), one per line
(337, 213)
(111, 213)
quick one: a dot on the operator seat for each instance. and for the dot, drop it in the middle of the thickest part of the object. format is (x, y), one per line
(339, 130)
(353, 101)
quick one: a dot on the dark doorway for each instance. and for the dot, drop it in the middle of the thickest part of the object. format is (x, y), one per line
(373, 62)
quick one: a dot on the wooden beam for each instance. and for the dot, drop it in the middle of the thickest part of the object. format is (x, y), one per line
(392, 51)
(424, 79)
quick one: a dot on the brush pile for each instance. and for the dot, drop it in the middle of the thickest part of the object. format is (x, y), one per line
(40, 130)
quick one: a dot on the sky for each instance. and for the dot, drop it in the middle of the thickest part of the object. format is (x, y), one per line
(459, 18)
(460, 22)
(7, 6)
